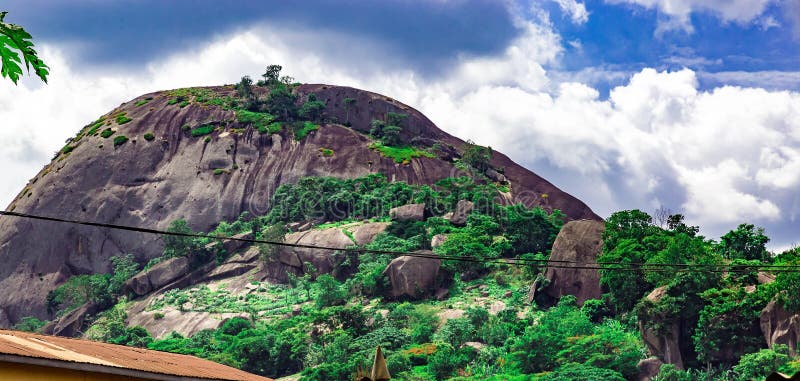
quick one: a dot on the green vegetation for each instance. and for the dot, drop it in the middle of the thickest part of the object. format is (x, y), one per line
(142, 102)
(120, 140)
(400, 155)
(388, 131)
(14, 40)
(301, 130)
(107, 133)
(149, 136)
(121, 118)
(327, 152)
(220, 171)
(67, 149)
(476, 156)
(202, 130)
(261, 121)
(30, 324)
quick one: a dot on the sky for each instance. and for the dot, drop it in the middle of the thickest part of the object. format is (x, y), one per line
(691, 105)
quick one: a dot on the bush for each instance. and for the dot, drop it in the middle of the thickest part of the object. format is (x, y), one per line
(398, 362)
(235, 325)
(149, 136)
(756, 366)
(122, 119)
(120, 140)
(580, 372)
(107, 133)
(78, 290)
(304, 129)
(328, 292)
(202, 130)
(30, 324)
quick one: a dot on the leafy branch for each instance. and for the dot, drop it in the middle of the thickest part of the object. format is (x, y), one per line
(14, 39)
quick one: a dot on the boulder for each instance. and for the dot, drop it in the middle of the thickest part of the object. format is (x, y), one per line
(438, 240)
(413, 277)
(139, 284)
(462, 211)
(665, 346)
(496, 176)
(648, 368)
(158, 276)
(71, 324)
(287, 260)
(780, 326)
(163, 273)
(579, 241)
(410, 212)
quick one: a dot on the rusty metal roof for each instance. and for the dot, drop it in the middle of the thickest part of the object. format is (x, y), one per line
(99, 356)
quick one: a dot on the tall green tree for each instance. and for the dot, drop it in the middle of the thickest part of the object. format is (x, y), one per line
(14, 40)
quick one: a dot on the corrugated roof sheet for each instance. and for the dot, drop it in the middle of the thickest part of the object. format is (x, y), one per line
(103, 354)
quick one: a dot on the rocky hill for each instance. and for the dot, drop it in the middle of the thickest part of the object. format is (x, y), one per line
(193, 154)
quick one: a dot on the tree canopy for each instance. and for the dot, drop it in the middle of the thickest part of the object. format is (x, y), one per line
(14, 40)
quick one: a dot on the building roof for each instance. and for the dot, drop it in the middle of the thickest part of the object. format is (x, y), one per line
(61, 352)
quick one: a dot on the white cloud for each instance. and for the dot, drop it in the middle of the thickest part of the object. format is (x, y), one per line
(576, 10)
(721, 157)
(678, 12)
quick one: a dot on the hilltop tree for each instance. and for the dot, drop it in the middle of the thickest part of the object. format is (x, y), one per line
(477, 156)
(13, 41)
(746, 242)
(272, 74)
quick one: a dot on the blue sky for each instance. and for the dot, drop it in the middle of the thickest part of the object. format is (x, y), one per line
(689, 104)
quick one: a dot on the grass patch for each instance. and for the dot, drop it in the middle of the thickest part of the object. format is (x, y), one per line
(183, 104)
(120, 140)
(107, 133)
(122, 118)
(67, 149)
(327, 152)
(143, 102)
(220, 171)
(173, 101)
(149, 136)
(95, 126)
(203, 130)
(260, 120)
(400, 155)
(303, 130)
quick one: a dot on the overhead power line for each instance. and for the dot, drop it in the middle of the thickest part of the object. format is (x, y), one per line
(562, 264)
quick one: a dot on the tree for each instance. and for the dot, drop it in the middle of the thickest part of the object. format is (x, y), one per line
(746, 242)
(281, 102)
(312, 109)
(272, 74)
(13, 41)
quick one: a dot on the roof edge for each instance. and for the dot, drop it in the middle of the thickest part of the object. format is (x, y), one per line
(85, 367)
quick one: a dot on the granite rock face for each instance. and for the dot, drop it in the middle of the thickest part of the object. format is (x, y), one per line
(150, 183)
(579, 241)
(413, 277)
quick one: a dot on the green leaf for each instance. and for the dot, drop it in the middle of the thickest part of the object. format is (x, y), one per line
(14, 38)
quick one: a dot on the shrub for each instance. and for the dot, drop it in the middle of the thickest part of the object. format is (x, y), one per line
(120, 140)
(149, 136)
(142, 102)
(219, 171)
(202, 130)
(107, 133)
(756, 366)
(580, 372)
(158, 316)
(30, 324)
(67, 149)
(122, 118)
(400, 155)
(327, 152)
(78, 290)
(304, 129)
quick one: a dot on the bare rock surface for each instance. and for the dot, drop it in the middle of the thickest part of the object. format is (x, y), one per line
(185, 323)
(665, 347)
(152, 183)
(462, 211)
(158, 276)
(323, 260)
(438, 240)
(579, 241)
(648, 368)
(780, 326)
(410, 212)
(413, 277)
